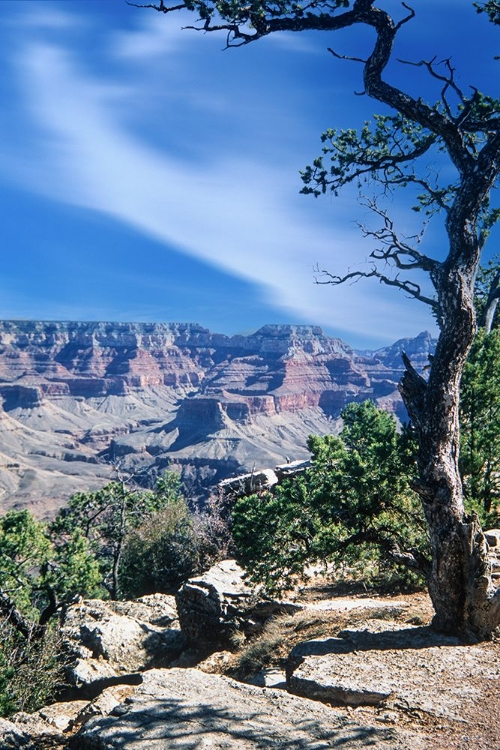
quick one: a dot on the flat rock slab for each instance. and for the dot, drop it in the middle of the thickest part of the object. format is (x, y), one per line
(62, 715)
(188, 709)
(392, 665)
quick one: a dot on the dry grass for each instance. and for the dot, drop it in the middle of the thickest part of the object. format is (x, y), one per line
(270, 649)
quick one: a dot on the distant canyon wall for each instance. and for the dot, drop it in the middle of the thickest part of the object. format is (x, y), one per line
(81, 401)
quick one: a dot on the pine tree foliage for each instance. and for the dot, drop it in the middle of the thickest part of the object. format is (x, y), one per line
(37, 576)
(480, 427)
(354, 506)
(105, 518)
(35, 571)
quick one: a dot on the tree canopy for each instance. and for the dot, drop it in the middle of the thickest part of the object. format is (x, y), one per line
(480, 426)
(106, 516)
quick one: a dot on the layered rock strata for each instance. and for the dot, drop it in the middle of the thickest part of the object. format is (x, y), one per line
(79, 398)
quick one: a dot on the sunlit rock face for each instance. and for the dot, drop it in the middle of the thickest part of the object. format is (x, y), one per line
(79, 398)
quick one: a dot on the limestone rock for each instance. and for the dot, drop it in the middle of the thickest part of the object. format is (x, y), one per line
(390, 664)
(156, 609)
(493, 540)
(62, 715)
(188, 709)
(215, 606)
(105, 703)
(41, 732)
(90, 676)
(111, 639)
(269, 678)
(216, 663)
(13, 737)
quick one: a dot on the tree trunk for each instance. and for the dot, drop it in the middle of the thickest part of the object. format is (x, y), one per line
(459, 583)
(29, 630)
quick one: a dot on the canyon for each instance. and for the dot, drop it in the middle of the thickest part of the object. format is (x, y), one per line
(82, 403)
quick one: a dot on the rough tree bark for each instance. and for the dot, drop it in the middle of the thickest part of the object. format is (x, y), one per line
(460, 579)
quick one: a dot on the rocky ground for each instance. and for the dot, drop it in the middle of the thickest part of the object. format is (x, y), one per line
(326, 670)
(444, 691)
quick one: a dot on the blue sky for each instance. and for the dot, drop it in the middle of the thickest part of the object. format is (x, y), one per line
(146, 174)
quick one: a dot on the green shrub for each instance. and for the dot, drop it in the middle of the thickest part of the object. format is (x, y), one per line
(480, 428)
(160, 554)
(31, 670)
(353, 507)
(167, 549)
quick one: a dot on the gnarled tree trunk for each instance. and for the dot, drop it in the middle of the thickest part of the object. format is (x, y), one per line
(460, 582)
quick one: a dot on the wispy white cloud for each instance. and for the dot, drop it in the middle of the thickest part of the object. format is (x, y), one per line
(48, 18)
(152, 37)
(234, 211)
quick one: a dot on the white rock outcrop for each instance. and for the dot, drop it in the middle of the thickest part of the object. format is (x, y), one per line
(391, 664)
(108, 640)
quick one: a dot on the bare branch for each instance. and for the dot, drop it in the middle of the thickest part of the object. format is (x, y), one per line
(394, 246)
(162, 8)
(346, 57)
(411, 559)
(411, 14)
(448, 80)
(409, 287)
(10, 611)
(490, 308)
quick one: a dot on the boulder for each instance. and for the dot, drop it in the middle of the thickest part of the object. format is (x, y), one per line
(493, 538)
(156, 609)
(216, 606)
(387, 663)
(13, 737)
(32, 730)
(62, 715)
(189, 709)
(108, 640)
(88, 677)
(48, 726)
(105, 703)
